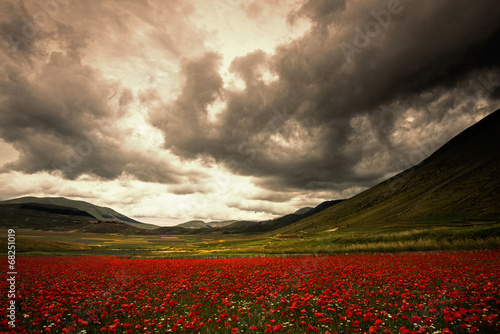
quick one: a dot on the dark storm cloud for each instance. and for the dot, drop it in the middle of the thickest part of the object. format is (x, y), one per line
(342, 86)
(63, 122)
(273, 196)
(15, 32)
(54, 109)
(185, 122)
(334, 119)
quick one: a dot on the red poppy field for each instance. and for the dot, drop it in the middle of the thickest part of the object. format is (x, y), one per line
(447, 292)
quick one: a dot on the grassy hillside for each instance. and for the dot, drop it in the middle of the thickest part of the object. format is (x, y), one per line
(277, 223)
(113, 226)
(242, 226)
(99, 212)
(459, 182)
(39, 245)
(43, 217)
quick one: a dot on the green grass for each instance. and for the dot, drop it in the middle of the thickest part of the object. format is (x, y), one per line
(447, 217)
(449, 236)
(40, 245)
(481, 236)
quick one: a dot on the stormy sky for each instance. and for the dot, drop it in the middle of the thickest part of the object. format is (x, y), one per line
(175, 110)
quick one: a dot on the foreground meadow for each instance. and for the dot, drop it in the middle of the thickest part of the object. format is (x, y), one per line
(441, 292)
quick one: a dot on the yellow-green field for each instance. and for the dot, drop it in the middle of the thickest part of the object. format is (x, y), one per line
(479, 235)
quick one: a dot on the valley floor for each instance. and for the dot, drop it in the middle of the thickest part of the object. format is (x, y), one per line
(470, 235)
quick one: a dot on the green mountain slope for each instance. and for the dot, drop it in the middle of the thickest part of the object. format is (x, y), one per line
(459, 182)
(193, 224)
(99, 212)
(43, 217)
(216, 224)
(196, 224)
(280, 222)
